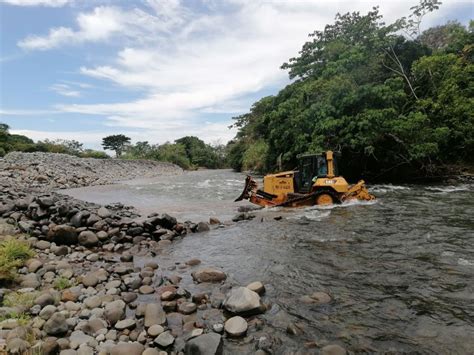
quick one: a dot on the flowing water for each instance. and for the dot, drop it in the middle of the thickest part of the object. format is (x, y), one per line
(400, 270)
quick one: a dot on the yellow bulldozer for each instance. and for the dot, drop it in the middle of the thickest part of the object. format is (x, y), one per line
(316, 182)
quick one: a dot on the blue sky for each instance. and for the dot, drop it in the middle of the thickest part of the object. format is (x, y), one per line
(156, 70)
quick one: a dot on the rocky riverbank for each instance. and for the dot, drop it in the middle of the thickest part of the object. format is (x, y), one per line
(95, 284)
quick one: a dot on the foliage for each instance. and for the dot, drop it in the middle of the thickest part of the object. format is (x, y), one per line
(13, 254)
(116, 142)
(393, 107)
(20, 299)
(22, 318)
(90, 153)
(62, 283)
(187, 152)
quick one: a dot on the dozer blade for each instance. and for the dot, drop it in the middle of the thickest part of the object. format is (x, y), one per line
(249, 185)
(358, 191)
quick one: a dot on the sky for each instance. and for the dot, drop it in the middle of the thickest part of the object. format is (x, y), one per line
(157, 70)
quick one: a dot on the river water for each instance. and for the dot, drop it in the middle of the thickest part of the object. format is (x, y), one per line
(400, 270)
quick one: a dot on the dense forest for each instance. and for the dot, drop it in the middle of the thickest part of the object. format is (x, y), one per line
(396, 104)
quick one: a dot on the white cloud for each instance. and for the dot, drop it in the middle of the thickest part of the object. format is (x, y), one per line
(49, 3)
(188, 63)
(65, 90)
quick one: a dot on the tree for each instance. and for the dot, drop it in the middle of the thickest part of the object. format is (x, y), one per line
(117, 143)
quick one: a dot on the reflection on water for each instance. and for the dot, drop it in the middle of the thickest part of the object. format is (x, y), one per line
(400, 270)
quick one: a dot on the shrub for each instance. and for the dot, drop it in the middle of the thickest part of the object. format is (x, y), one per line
(13, 254)
(62, 283)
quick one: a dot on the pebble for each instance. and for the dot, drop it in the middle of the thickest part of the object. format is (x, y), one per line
(165, 339)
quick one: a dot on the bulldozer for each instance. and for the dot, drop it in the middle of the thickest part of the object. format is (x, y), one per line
(315, 182)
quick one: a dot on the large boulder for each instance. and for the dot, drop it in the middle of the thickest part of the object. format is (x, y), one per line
(242, 300)
(56, 325)
(206, 344)
(209, 275)
(63, 234)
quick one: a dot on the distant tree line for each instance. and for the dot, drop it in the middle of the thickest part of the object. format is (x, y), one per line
(188, 152)
(16, 142)
(396, 103)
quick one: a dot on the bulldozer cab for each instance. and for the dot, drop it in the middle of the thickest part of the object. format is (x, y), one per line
(312, 166)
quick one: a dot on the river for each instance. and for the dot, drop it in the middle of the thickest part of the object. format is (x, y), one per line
(400, 270)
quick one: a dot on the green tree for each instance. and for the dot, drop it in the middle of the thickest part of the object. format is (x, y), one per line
(117, 143)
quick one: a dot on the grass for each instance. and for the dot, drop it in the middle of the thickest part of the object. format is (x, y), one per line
(17, 299)
(22, 318)
(13, 254)
(62, 283)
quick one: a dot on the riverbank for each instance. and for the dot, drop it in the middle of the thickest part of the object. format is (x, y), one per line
(83, 292)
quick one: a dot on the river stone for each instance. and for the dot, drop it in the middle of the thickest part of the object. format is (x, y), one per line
(257, 287)
(154, 314)
(77, 338)
(125, 324)
(34, 264)
(93, 302)
(94, 325)
(30, 281)
(155, 330)
(103, 212)
(90, 279)
(146, 289)
(202, 227)
(127, 349)
(50, 346)
(187, 307)
(88, 239)
(153, 351)
(209, 275)
(333, 349)
(321, 297)
(236, 326)
(56, 325)
(114, 311)
(206, 344)
(63, 234)
(44, 299)
(242, 300)
(17, 346)
(165, 339)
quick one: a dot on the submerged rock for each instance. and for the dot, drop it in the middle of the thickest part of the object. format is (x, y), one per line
(209, 275)
(242, 300)
(236, 326)
(206, 344)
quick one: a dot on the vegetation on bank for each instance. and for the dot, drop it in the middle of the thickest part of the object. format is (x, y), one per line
(396, 103)
(19, 143)
(13, 254)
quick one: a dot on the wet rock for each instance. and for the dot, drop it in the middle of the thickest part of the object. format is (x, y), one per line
(333, 349)
(213, 220)
(56, 325)
(242, 300)
(164, 339)
(206, 344)
(218, 327)
(114, 311)
(321, 297)
(257, 287)
(88, 239)
(17, 346)
(63, 234)
(202, 227)
(193, 262)
(209, 275)
(166, 221)
(187, 307)
(154, 314)
(236, 326)
(127, 349)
